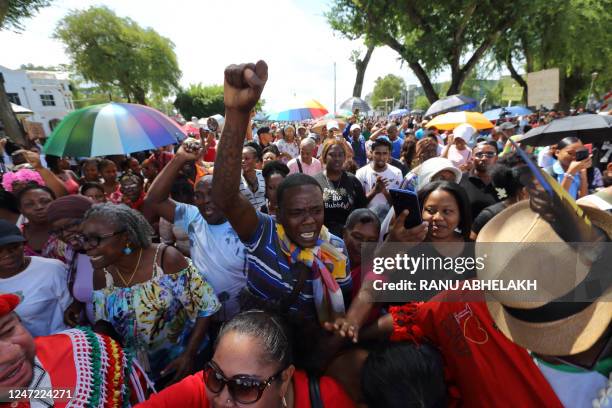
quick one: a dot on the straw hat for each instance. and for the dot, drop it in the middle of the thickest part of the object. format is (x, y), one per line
(534, 251)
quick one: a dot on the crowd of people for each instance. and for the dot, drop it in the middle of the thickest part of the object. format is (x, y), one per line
(229, 271)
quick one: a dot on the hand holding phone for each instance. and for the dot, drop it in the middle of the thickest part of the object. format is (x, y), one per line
(406, 200)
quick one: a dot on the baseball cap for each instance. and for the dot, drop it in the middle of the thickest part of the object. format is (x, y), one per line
(9, 233)
(507, 126)
(355, 126)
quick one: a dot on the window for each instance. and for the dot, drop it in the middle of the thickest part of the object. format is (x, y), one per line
(47, 100)
(14, 98)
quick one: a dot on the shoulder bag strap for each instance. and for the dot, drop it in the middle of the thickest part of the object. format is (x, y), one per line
(315, 392)
(299, 165)
(290, 299)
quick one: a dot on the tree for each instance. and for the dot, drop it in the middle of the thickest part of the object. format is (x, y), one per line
(203, 101)
(430, 35)
(116, 52)
(389, 87)
(12, 13)
(361, 64)
(572, 35)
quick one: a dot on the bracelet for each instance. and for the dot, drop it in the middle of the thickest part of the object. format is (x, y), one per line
(569, 176)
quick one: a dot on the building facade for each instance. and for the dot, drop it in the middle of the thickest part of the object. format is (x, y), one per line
(46, 93)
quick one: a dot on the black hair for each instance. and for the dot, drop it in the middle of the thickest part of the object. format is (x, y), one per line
(487, 143)
(125, 164)
(89, 161)
(31, 187)
(382, 142)
(401, 375)
(53, 162)
(510, 179)
(8, 202)
(292, 181)
(271, 148)
(182, 190)
(103, 163)
(90, 185)
(275, 167)
(261, 130)
(566, 142)
(255, 146)
(463, 202)
(270, 330)
(361, 216)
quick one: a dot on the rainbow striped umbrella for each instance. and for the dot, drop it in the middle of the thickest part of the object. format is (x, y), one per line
(311, 109)
(112, 128)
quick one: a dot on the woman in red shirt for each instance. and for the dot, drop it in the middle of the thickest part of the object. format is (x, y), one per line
(252, 366)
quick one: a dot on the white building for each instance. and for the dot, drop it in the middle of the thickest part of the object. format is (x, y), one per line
(46, 93)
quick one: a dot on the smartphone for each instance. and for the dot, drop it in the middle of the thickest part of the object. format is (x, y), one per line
(406, 200)
(582, 154)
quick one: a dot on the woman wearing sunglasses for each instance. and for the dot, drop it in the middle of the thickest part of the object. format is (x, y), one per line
(252, 366)
(153, 296)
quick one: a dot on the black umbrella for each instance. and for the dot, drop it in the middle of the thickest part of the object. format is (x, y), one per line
(355, 103)
(589, 128)
(451, 103)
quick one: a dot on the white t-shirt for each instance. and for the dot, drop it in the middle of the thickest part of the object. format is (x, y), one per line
(218, 254)
(367, 176)
(310, 169)
(43, 286)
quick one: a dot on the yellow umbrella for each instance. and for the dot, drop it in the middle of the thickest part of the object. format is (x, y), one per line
(451, 120)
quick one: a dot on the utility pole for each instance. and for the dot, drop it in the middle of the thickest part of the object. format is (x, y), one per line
(12, 127)
(334, 111)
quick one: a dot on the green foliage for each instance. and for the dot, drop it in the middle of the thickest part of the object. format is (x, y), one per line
(572, 35)
(391, 86)
(203, 101)
(111, 51)
(13, 11)
(200, 101)
(421, 102)
(430, 35)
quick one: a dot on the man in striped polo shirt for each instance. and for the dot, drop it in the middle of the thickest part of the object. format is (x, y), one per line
(293, 261)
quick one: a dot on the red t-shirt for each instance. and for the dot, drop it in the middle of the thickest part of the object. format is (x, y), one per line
(483, 367)
(191, 393)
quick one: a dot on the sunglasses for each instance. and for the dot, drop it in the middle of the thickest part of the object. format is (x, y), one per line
(488, 155)
(244, 389)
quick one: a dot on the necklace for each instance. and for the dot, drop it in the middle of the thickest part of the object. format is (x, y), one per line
(127, 284)
(335, 184)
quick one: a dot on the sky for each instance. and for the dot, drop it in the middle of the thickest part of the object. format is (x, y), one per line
(292, 36)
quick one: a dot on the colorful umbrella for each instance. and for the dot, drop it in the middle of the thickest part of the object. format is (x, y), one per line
(450, 104)
(311, 109)
(451, 120)
(508, 112)
(112, 128)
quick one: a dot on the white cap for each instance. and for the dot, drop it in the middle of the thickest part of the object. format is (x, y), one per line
(464, 131)
(355, 126)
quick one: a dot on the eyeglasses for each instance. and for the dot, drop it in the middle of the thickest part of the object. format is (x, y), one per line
(95, 240)
(70, 228)
(244, 389)
(488, 155)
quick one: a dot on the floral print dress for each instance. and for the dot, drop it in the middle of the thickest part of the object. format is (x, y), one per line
(156, 317)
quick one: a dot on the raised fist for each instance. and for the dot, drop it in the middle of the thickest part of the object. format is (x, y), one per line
(243, 85)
